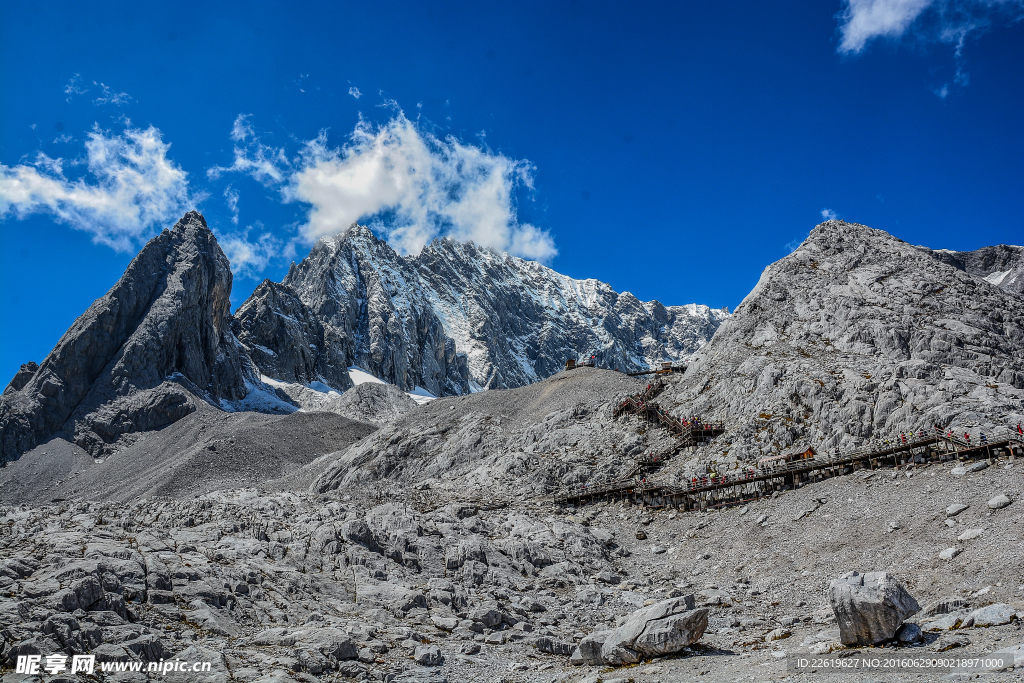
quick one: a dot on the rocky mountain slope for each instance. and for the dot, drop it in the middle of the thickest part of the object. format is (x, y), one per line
(857, 336)
(452, 319)
(138, 357)
(1001, 265)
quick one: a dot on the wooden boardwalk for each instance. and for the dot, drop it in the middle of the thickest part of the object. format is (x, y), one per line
(755, 482)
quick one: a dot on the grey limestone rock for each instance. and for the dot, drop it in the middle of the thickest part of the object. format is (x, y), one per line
(994, 615)
(869, 607)
(428, 655)
(132, 360)
(286, 341)
(21, 378)
(660, 629)
(1001, 265)
(999, 502)
(943, 606)
(853, 338)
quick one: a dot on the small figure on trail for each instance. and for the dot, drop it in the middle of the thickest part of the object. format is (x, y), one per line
(983, 437)
(967, 437)
(1019, 430)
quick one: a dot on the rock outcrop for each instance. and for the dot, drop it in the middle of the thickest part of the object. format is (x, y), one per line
(855, 337)
(1001, 265)
(137, 357)
(286, 341)
(870, 607)
(663, 628)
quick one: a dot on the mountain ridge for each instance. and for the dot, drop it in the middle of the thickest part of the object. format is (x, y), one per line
(458, 318)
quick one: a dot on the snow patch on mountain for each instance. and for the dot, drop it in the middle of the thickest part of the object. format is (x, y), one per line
(456, 318)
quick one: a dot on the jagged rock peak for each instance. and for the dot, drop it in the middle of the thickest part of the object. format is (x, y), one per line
(132, 361)
(458, 317)
(285, 339)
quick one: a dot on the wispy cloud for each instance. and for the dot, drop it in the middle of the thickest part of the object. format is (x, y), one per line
(231, 198)
(408, 184)
(240, 129)
(130, 188)
(828, 215)
(251, 256)
(74, 87)
(950, 22)
(108, 96)
(266, 164)
(354, 92)
(864, 20)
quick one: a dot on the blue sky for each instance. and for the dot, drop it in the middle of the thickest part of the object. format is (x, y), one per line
(672, 150)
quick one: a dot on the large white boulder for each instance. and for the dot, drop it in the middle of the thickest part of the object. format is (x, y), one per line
(660, 629)
(869, 607)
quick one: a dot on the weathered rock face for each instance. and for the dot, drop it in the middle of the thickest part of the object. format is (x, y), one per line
(132, 361)
(1001, 265)
(663, 628)
(21, 378)
(376, 315)
(870, 607)
(857, 336)
(286, 341)
(457, 317)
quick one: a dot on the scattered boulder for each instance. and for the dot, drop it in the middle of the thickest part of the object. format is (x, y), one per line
(869, 607)
(552, 646)
(970, 534)
(978, 466)
(994, 615)
(955, 509)
(947, 622)
(663, 628)
(428, 655)
(948, 554)
(999, 502)
(909, 633)
(950, 641)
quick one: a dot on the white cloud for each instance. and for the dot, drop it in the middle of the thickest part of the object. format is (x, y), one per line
(266, 164)
(74, 87)
(240, 129)
(867, 19)
(414, 186)
(109, 97)
(249, 257)
(947, 21)
(231, 197)
(131, 187)
(829, 215)
(409, 185)
(354, 92)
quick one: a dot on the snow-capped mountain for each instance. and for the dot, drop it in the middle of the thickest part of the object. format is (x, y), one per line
(456, 318)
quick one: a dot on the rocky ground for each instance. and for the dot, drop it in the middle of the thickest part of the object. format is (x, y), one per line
(366, 581)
